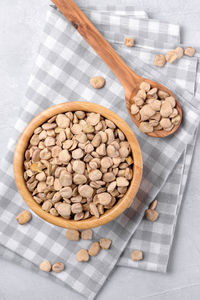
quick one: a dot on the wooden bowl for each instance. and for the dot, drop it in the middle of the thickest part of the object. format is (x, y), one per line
(110, 214)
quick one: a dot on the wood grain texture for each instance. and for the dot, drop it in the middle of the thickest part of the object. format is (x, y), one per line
(118, 208)
(128, 78)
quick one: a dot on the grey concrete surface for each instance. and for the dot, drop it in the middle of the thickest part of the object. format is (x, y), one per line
(21, 25)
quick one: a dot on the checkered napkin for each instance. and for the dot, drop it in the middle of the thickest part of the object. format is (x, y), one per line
(61, 73)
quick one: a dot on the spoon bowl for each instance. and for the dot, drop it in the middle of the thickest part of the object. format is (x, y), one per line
(129, 101)
(128, 78)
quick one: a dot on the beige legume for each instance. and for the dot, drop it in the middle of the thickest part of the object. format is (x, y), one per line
(105, 243)
(72, 234)
(94, 210)
(86, 234)
(97, 82)
(58, 267)
(104, 198)
(136, 255)
(159, 60)
(129, 42)
(189, 51)
(24, 217)
(45, 266)
(162, 94)
(179, 52)
(166, 109)
(82, 255)
(165, 123)
(64, 209)
(171, 56)
(153, 204)
(94, 249)
(62, 121)
(151, 215)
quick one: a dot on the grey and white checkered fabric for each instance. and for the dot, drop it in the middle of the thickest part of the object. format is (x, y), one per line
(155, 239)
(62, 71)
(115, 10)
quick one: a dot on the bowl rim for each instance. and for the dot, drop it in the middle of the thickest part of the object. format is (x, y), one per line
(91, 222)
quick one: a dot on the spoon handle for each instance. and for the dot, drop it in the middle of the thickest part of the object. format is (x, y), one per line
(94, 38)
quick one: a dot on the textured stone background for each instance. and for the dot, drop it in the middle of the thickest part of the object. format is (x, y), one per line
(21, 25)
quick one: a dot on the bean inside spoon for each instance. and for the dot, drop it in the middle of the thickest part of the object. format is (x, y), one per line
(128, 78)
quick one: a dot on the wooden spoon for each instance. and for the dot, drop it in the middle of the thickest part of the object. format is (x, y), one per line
(128, 78)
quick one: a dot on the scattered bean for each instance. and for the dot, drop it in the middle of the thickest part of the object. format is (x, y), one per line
(45, 266)
(137, 255)
(72, 234)
(82, 255)
(189, 51)
(97, 82)
(171, 56)
(151, 215)
(58, 267)
(105, 243)
(86, 234)
(94, 249)
(159, 60)
(24, 217)
(129, 42)
(153, 204)
(179, 52)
